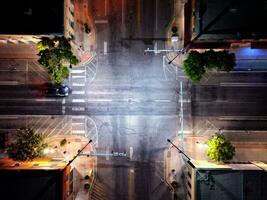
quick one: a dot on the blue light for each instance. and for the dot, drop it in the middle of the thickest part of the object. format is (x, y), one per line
(247, 52)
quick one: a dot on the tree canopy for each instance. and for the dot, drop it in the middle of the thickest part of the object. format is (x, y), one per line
(55, 53)
(220, 149)
(28, 145)
(193, 66)
(196, 63)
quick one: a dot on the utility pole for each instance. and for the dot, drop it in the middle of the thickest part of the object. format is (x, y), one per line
(179, 150)
(79, 152)
(181, 114)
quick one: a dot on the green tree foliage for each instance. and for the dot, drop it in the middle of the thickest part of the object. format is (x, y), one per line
(226, 61)
(210, 59)
(196, 63)
(28, 145)
(193, 66)
(220, 149)
(54, 54)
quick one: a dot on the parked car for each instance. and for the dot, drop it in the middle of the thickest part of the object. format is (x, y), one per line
(57, 91)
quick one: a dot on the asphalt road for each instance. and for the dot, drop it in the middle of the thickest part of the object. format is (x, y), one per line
(135, 105)
(233, 101)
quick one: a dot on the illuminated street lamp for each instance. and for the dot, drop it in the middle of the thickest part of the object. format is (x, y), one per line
(79, 152)
(179, 150)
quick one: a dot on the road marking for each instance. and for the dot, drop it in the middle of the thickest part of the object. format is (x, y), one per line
(105, 47)
(63, 110)
(242, 84)
(78, 131)
(77, 71)
(78, 84)
(9, 117)
(78, 108)
(63, 101)
(244, 118)
(99, 100)
(78, 117)
(45, 99)
(78, 92)
(131, 153)
(78, 76)
(101, 21)
(9, 82)
(78, 100)
(162, 100)
(107, 152)
(185, 101)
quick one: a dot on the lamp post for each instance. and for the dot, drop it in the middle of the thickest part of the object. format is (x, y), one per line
(179, 150)
(79, 152)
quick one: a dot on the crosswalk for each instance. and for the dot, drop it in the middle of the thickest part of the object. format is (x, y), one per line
(80, 77)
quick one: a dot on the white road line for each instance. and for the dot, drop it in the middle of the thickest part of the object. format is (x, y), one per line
(78, 131)
(45, 100)
(107, 152)
(242, 84)
(9, 117)
(78, 100)
(63, 101)
(78, 92)
(77, 71)
(98, 92)
(9, 82)
(239, 118)
(78, 84)
(105, 47)
(101, 21)
(78, 108)
(131, 153)
(78, 117)
(63, 109)
(78, 76)
(162, 100)
(99, 100)
(185, 101)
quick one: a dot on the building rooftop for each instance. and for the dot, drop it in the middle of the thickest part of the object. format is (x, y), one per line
(32, 17)
(205, 165)
(36, 164)
(240, 19)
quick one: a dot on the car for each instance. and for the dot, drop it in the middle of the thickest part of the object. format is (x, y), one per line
(57, 91)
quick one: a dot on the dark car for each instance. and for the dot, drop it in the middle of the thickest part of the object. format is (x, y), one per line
(57, 91)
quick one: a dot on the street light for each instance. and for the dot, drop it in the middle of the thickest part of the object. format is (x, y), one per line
(179, 150)
(79, 152)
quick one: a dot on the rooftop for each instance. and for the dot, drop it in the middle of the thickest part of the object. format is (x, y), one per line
(203, 164)
(36, 164)
(32, 17)
(239, 19)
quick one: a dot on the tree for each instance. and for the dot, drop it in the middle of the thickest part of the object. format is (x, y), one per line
(193, 66)
(55, 53)
(196, 63)
(28, 145)
(210, 59)
(226, 61)
(220, 149)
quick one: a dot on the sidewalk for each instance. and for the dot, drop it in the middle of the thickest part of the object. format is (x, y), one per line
(249, 147)
(84, 43)
(83, 165)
